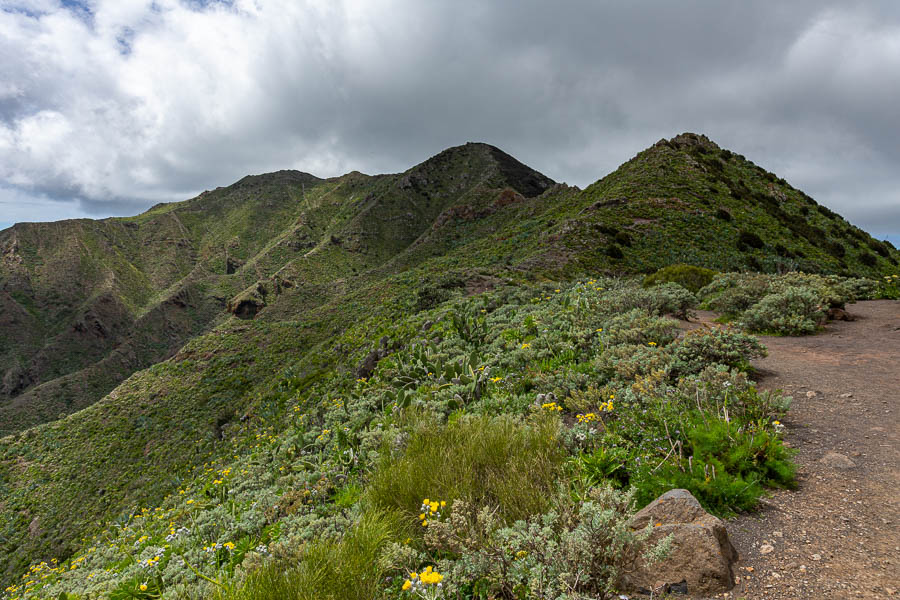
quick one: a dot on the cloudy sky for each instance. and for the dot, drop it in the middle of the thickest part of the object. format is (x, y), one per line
(109, 106)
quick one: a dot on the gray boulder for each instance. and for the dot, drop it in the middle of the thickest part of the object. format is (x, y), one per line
(701, 556)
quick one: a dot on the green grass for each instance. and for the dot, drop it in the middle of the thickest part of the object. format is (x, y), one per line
(348, 567)
(493, 461)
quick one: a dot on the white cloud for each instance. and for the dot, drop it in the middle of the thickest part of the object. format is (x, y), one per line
(18, 207)
(130, 102)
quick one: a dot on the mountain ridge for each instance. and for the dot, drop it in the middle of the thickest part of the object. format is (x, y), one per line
(300, 261)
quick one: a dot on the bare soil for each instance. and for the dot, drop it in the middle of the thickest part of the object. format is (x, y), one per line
(837, 536)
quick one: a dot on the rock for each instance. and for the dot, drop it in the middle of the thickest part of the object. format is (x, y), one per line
(816, 557)
(837, 461)
(847, 395)
(839, 314)
(766, 548)
(367, 366)
(701, 557)
(810, 394)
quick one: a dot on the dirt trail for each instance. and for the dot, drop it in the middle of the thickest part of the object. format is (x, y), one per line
(838, 535)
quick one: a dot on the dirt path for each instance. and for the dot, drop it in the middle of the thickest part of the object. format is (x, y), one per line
(838, 535)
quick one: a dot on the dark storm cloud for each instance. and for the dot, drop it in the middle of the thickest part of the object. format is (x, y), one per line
(202, 93)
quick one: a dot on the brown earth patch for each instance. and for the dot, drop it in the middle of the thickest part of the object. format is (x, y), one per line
(837, 536)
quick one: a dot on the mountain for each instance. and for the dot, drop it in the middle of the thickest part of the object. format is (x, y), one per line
(86, 303)
(132, 349)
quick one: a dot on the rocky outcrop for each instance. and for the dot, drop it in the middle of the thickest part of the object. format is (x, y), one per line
(249, 302)
(701, 556)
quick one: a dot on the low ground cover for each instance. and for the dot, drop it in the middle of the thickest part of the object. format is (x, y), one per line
(497, 448)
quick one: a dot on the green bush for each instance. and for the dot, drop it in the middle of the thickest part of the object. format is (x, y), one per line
(719, 345)
(625, 362)
(687, 276)
(791, 303)
(668, 298)
(793, 311)
(579, 550)
(639, 326)
(888, 288)
(832, 291)
(487, 461)
(862, 289)
(726, 466)
(748, 238)
(733, 293)
(623, 239)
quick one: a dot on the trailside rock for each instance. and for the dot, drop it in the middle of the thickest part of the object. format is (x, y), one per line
(836, 460)
(701, 555)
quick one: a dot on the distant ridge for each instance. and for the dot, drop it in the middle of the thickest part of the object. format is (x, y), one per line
(86, 303)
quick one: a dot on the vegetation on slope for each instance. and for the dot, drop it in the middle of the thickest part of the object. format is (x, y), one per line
(521, 400)
(334, 266)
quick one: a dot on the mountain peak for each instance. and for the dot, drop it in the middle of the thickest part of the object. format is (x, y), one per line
(687, 141)
(480, 157)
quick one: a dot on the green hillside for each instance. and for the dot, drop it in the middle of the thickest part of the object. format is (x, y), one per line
(227, 333)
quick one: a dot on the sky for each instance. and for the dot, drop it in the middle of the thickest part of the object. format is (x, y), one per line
(110, 106)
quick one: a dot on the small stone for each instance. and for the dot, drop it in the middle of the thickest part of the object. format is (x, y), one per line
(777, 534)
(810, 394)
(847, 395)
(766, 548)
(837, 461)
(816, 557)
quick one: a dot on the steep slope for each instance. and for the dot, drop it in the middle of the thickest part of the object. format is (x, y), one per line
(665, 205)
(316, 272)
(87, 303)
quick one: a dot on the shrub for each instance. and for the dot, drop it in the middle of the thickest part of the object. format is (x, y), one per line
(725, 466)
(827, 212)
(753, 264)
(580, 550)
(346, 567)
(832, 291)
(723, 214)
(748, 238)
(639, 326)
(607, 229)
(719, 345)
(487, 461)
(628, 361)
(888, 288)
(861, 289)
(868, 259)
(622, 238)
(687, 276)
(613, 251)
(835, 248)
(729, 393)
(668, 298)
(733, 293)
(793, 311)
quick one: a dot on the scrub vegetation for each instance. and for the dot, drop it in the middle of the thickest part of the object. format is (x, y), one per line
(455, 380)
